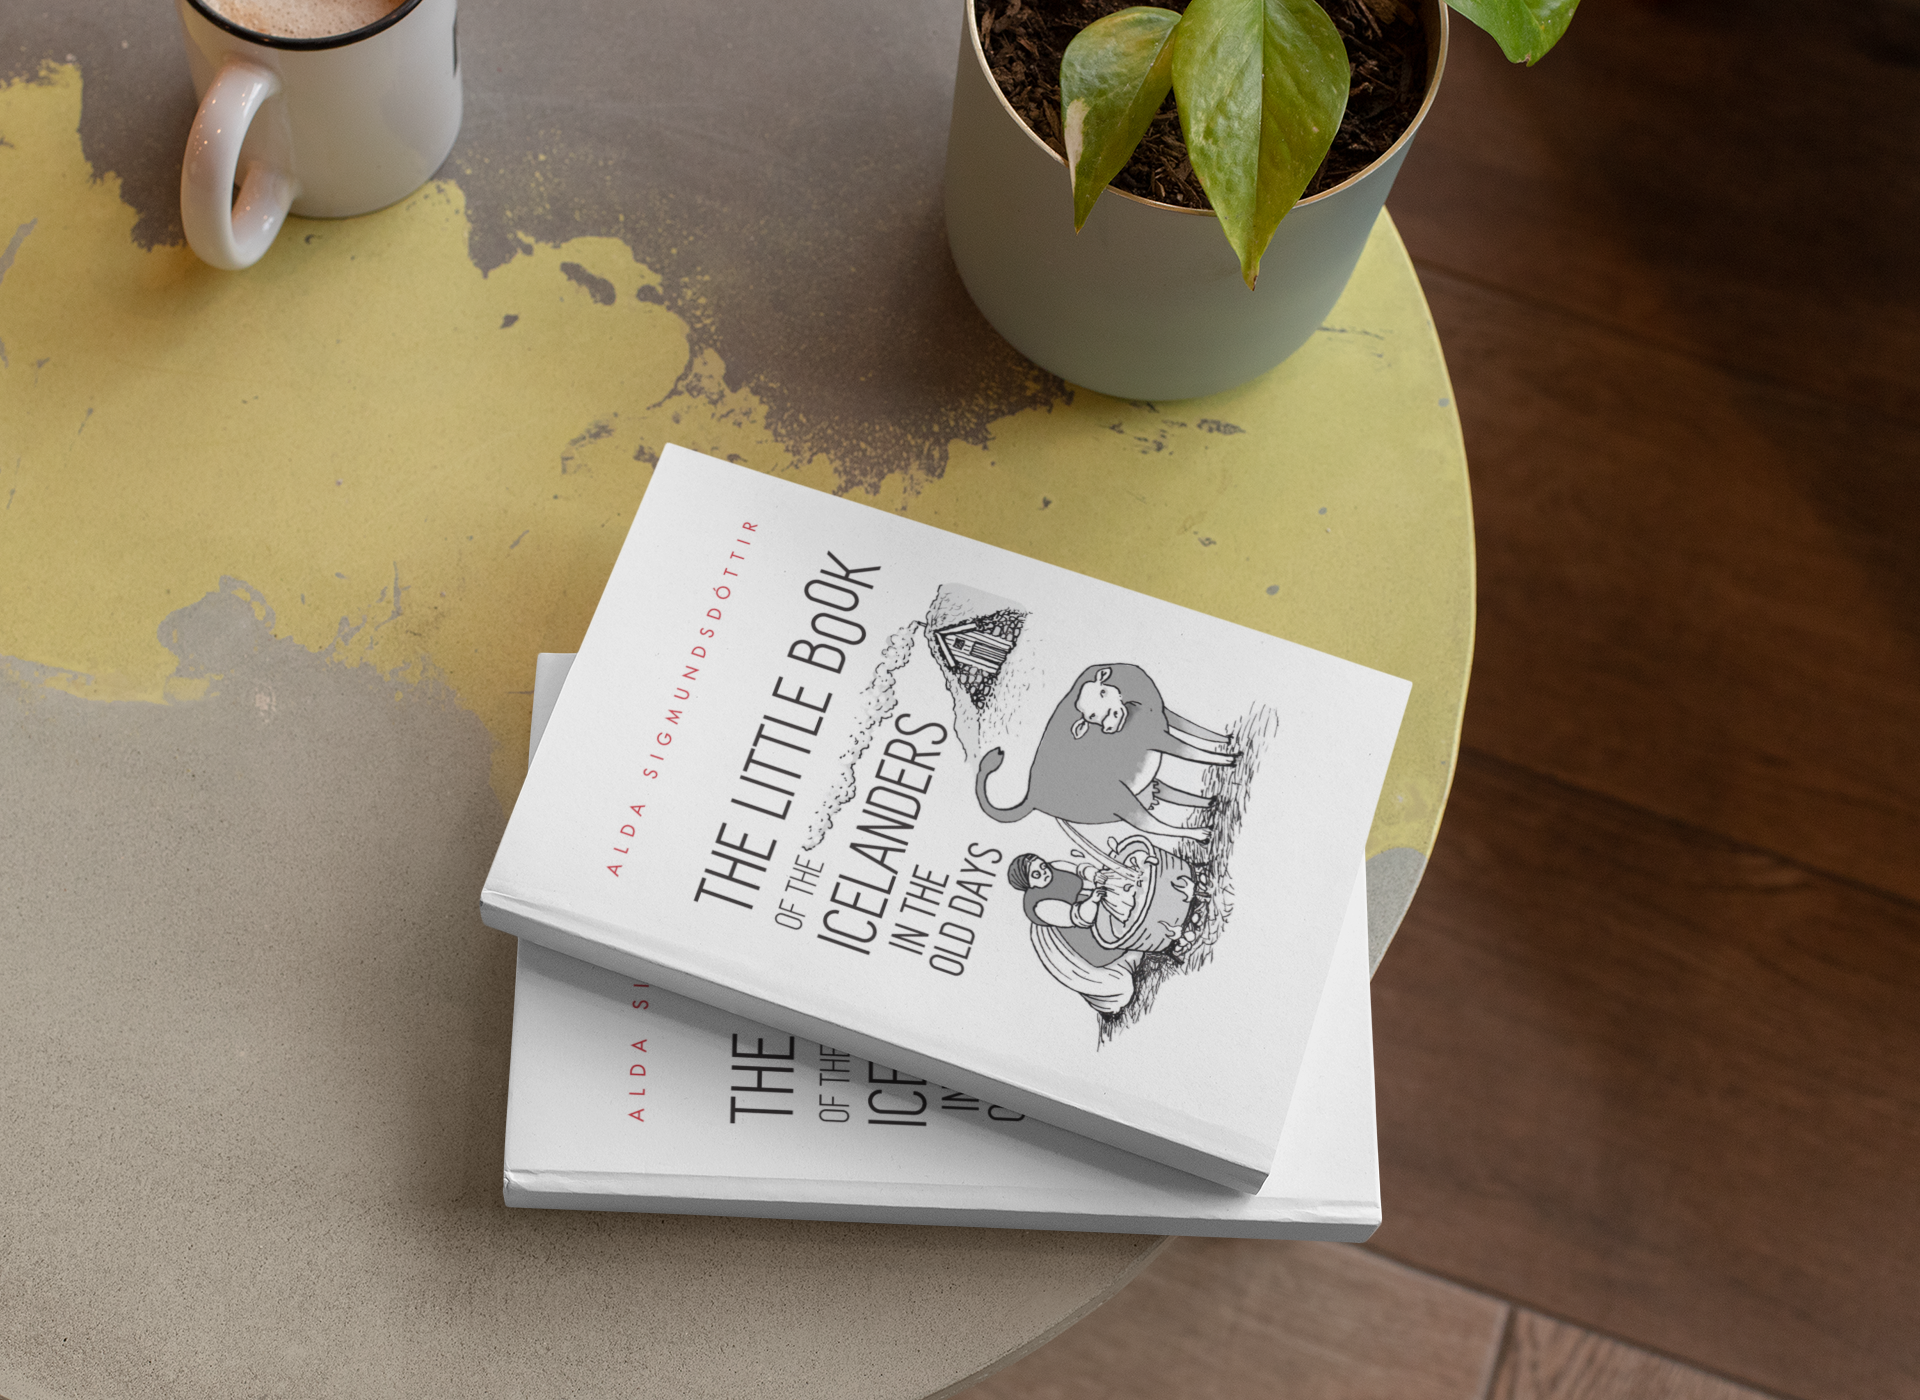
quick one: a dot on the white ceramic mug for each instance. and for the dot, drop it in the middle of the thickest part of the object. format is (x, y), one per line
(324, 128)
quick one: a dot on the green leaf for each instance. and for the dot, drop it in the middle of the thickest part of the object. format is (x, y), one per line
(1261, 86)
(1114, 77)
(1524, 29)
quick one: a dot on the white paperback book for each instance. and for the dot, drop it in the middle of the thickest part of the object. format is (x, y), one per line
(1059, 846)
(626, 1097)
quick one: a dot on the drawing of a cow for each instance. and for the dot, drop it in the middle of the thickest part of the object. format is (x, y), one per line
(1101, 751)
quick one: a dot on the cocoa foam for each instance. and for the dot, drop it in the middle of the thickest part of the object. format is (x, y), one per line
(304, 19)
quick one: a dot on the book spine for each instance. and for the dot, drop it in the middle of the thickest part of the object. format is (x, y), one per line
(906, 1204)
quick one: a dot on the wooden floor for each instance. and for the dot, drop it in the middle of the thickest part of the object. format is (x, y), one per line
(1649, 1041)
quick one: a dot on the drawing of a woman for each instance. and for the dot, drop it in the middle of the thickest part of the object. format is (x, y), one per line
(1083, 927)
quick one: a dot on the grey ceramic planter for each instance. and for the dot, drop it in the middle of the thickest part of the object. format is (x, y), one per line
(1146, 301)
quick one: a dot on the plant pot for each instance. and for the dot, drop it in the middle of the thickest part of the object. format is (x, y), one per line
(1146, 301)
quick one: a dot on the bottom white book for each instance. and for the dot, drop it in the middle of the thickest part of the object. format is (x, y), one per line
(624, 1097)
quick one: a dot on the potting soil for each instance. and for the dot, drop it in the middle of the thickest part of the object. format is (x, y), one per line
(1386, 47)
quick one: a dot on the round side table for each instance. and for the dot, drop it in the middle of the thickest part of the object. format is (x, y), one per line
(278, 549)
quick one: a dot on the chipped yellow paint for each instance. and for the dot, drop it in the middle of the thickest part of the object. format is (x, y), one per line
(429, 471)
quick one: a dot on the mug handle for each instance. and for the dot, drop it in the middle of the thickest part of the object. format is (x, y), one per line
(225, 232)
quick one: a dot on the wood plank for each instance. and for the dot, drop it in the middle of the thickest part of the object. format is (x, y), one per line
(1698, 593)
(1738, 188)
(1548, 1360)
(1222, 1319)
(1659, 1083)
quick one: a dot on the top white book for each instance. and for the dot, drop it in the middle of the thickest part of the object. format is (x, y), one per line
(1009, 829)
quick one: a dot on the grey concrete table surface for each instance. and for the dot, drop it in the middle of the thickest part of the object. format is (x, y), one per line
(259, 724)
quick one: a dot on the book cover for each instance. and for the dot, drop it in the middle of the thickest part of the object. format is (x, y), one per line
(626, 1097)
(1059, 846)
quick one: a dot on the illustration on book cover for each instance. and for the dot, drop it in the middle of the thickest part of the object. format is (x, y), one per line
(1123, 809)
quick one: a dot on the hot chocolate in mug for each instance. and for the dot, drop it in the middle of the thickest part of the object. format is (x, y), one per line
(323, 127)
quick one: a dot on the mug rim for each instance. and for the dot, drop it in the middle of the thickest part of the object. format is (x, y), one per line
(326, 41)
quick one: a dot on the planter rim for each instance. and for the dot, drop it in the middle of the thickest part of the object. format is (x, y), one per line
(1419, 116)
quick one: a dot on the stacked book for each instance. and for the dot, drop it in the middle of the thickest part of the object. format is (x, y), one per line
(866, 872)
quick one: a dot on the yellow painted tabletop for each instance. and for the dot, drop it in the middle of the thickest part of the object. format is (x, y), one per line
(429, 470)
(412, 475)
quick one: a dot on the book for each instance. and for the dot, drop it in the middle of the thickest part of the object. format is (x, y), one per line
(1056, 845)
(626, 1097)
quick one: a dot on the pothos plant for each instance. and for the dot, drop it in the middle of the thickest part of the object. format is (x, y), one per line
(1260, 86)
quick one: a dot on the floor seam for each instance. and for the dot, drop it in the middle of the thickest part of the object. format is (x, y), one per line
(1742, 373)
(1500, 1348)
(1514, 1307)
(1852, 882)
